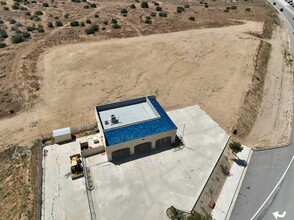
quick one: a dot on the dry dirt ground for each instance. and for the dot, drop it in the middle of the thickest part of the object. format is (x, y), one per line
(198, 66)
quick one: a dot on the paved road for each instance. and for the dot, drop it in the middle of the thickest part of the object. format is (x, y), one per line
(266, 170)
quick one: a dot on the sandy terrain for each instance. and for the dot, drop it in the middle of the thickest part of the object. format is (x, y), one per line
(273, 123)
(198, 66)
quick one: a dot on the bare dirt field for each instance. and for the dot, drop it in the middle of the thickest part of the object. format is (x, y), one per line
(198, 66)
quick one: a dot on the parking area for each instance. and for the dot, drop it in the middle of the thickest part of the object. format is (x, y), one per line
(139, 187)
(145, 187)
(63, 198)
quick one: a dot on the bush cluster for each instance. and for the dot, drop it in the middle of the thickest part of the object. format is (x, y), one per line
(162, 14)
(3, 34)
(74, 23)
(20, 37)
(94, 28)
(180, 9)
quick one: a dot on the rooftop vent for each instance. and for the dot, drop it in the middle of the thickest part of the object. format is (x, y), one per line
(113, 119)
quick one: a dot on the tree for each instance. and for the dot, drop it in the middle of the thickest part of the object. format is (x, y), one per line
(236, 147)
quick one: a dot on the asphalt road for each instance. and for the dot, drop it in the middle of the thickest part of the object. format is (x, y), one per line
(264, 192)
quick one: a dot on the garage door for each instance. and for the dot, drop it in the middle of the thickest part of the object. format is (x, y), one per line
(120, 154)
(143, 148)
(163, 142)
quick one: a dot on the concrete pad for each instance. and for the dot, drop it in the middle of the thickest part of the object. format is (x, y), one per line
(63, 198)
(230, 189)
(144, 188)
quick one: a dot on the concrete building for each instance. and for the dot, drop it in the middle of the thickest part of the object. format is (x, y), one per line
(62, 135)
(134, 126)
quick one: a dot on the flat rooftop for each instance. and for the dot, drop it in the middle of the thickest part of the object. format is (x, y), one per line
(135, 119)
(127, 115)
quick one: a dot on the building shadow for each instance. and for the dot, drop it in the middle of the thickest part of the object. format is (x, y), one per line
(240, 162)
(137, 156)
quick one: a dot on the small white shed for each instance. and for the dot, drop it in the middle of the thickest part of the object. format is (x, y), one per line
(61, 135)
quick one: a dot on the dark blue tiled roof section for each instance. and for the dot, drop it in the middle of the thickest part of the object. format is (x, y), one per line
(141, 130)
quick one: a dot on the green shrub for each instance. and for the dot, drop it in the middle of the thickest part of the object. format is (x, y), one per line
(113, 21)
(96, 15)
(158, 8)
(12, 21)
(206, 6)
(187, 6)
(192, 18)
(247, 9)
(45, 4)
(40, 29)
(5, 8)
(49, 24)
(74, 23)
(153, 14)
(2, 45)
(15, 6)
(25, 35)
(33, 1)
(180, 9)
(3, 3)
(226, 10)
(116, 26)
(156, 3)
(35, 18)
(148, 21)
(89, 31)
(234, 7)
(162, 14)
(3, 33)
(38, 13)
(93, 5)
(23, 8)
(144, 5)
(88, 21)
(132, 6)
(124, 11)
(86, 7)
(30, 28)
(58, 24)
(1, 21)
(27, 13)
(95, 27)
(83, 24)
(16, 39)
(225, 169)
(66, 15)
(105, 22)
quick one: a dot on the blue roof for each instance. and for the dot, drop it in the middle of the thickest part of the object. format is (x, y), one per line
(141, 130)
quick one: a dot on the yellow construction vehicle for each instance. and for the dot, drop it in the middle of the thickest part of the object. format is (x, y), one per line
(76, 166)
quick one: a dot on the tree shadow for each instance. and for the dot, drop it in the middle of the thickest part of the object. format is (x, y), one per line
(240, 162)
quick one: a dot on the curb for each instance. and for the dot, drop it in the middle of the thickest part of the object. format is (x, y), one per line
(238, 187)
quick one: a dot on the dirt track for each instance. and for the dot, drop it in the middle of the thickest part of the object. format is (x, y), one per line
(210, 67)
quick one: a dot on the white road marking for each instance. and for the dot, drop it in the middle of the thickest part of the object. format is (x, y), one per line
(282, 178)
(277, 215)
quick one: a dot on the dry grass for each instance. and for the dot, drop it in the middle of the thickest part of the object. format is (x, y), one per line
(19, 182)
(249, 110)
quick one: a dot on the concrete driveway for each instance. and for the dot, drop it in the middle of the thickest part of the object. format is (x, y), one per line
(145, 187)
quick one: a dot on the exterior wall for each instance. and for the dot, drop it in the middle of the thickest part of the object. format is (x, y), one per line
(92, 151)
(62, 138)
(133, 143)
(100, 127)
